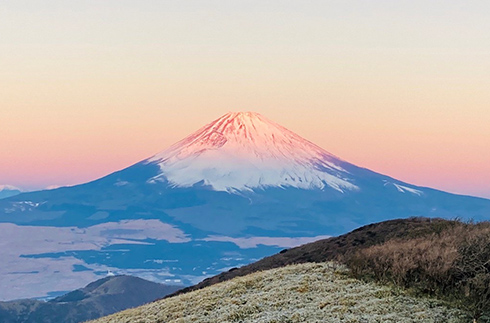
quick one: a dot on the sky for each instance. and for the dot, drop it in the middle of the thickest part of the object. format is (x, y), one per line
(400, 87)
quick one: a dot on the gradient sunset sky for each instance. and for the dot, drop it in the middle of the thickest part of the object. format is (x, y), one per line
(400, 87)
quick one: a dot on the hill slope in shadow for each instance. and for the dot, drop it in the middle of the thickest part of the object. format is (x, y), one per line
(102, 297)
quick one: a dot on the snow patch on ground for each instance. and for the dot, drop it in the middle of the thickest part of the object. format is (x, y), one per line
(23, 206)
(404, 189)
(54, 186)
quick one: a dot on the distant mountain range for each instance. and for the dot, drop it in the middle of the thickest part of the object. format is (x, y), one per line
(237, 190)
(8, 191)
(102, 297)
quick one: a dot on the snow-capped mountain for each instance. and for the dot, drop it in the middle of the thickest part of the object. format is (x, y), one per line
(8, 190)
(238, 189)
(245, 151)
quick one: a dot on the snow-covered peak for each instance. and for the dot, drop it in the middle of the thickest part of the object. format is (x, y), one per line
(245, 150)
(5, 187)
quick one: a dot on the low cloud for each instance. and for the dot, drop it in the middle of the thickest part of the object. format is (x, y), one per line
(253, 242)
(22, 277)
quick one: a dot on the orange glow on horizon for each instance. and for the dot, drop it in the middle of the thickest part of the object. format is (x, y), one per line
(92, 87)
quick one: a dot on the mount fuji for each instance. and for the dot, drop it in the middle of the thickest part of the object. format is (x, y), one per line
(236, 190)
(244, 152)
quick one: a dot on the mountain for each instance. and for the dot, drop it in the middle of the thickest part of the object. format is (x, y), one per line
(8, 191)
(102, 297)
(237, 190)
(244, 152)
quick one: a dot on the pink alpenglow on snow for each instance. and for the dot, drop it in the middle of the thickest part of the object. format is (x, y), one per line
(245, 150)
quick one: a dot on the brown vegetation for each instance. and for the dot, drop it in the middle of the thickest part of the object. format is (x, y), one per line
(451, 262)
(335, 248)
(447, 259)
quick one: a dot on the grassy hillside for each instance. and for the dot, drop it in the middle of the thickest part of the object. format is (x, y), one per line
(434, 257)
(312, 292)
(336, 248)
(452, 263)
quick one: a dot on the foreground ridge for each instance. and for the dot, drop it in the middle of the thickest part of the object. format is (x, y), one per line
(298, 293)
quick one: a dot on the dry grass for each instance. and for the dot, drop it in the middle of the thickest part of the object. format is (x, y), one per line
(337, 248)
(313, 292)
(453, 264)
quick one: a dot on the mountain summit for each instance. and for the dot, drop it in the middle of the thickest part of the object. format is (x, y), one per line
(245, 150)
(8, 191)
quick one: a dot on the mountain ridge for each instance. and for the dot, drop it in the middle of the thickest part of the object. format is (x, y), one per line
(7, 190)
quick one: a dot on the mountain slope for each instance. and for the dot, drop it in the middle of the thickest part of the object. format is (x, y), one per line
(8, 191)
(102, 297)
(237, 190)
(334, 248)
(320, 292)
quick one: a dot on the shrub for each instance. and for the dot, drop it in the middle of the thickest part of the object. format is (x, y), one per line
(451, 261)
(472, 272)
